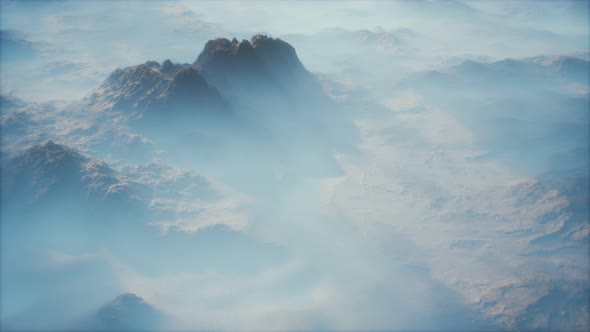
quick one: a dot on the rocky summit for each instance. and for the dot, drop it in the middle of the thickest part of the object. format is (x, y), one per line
(129, 312)
(261, 64)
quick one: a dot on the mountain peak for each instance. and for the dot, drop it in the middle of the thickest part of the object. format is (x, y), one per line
(152, 64)
(219, 45)
(129, 312)
(278, 54)
(264, 40)
(189, 77)
(50, 170)
(126, 300)
(225, 68)
(52, 155)
(167, 64)
(151, 84)
(222, 49)
(186, 90)
(225, 46)
(50, 145)
(248, 66)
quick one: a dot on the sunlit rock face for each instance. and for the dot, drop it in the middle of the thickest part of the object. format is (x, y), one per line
(172, 104)
(129, 87)
(155, 90)
(129, 312)
(50, 170)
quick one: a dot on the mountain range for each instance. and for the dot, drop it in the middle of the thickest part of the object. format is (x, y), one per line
(261, 68)
(248, 114)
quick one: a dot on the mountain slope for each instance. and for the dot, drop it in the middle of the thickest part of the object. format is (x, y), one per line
(238, 101)
(50, 170)
(153, 88)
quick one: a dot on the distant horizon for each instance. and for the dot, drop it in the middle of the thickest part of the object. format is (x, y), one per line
(66, 46)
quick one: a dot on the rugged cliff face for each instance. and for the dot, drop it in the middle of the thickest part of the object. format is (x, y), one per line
(49, 170)
(151, 89)
(262, 68)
